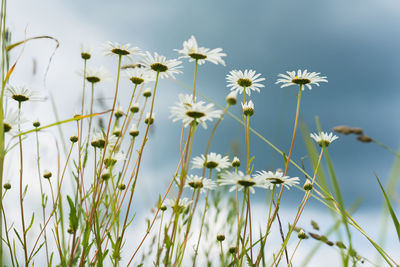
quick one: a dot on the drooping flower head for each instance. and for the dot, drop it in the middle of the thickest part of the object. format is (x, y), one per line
(159, 64)
(302, 78)
(323, 139)
(121, 50)
(197, 182)
(240, 180)
(189, 111)
(275, 179)
(246, 81)
(193, 52)
(213, 160)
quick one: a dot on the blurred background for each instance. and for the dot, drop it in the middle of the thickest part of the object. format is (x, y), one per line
(354, 43)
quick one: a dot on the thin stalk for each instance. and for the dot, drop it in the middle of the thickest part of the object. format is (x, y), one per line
(41, 193)
(21, 200)
(295, 249)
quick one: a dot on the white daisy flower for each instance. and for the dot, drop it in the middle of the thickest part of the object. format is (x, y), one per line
(197, 182)
(301, 78)
(121, 50)
(111, 158)
(235, 162)
(93, 75)
(182, 204)
(189, 112)
(193, 52)
(119, 111)
(240, 180)
(147, 92)
(323, 139)
(231, 98)
(212, 161)
(247, 80)
(159, 64)
(139, 75)
(22, 94)
(11, 121)
(270, 179)
(248, 108)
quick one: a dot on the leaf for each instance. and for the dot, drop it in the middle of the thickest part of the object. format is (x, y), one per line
(73, 219)
(394, 218)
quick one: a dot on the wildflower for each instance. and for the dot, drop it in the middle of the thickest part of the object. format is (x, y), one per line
(159, 64)
(119, 112)
(121, 50)
(117, 131)
(231, 98)
(148, 119)
(189, 111)
(105, 175)
(248, 108)
(213, 160)
(139, 75)
(220, 237)
(73, 138)
(36, 123)
(197, 182)
(86, 52)
(147, 92)
(182, 204)
(308, 185)
(275, 179)
(301, 78)
(11, 121)
(244, 81)
(134, 108)
(98, 140)
(323, 139)
(193, 52)
(7, 186)
(47, 174)
(236, 162)
(134, 131)
(240, 180)
(302, 234)
(121, 187)
(112, 158)
(22, 94)
(95, 75)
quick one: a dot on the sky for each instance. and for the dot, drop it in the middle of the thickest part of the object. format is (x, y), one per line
(354, 43)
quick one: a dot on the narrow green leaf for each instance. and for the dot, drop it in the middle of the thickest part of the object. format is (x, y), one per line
(394, 218)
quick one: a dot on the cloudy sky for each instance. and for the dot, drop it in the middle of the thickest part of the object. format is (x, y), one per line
(354, 43)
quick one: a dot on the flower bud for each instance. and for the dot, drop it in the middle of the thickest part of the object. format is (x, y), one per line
(308, 186)
(163, 208)
(236, 162)
(73, 138)
(36, 124)
(221, 237)
(302, 234)
(147, 92)
(231, 98)
(122, 187)
(7, 186)
(134, 108)
(47, 174)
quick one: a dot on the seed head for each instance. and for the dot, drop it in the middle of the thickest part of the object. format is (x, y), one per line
(364, 139)
(356, 130)
(343, 129)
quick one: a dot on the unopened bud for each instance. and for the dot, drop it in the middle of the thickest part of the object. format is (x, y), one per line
(73, 138)
(236, 162)
(47, 174)
(302, 234)
(7, 186)
(308, 186)
(36, 124)
(147, 92)
(122, 187)
(221, 237)
(134, 108)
